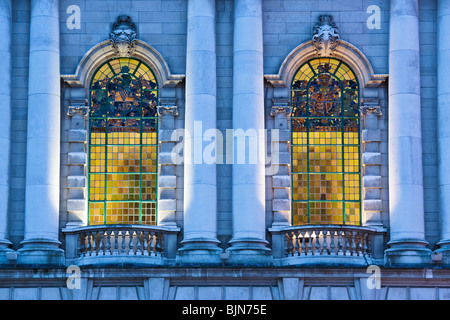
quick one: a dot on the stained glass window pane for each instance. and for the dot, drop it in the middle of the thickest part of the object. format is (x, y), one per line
(123, 139)
(325, 149)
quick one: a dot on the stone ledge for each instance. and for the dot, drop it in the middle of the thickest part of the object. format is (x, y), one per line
(76, 205)
(165, 135)
(372, 182)
(167, 181)
(281, 181)
(371, 158)
(372, 205)
(165, 158)
(281, 205)
(77, 135)
(76, 181)
(167, 204)
(77, 158)
(370, 135)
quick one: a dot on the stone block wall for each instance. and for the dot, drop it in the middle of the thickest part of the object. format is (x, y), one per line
(162, 24)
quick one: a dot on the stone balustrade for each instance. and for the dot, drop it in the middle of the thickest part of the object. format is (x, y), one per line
(118, 244)
(340, 245)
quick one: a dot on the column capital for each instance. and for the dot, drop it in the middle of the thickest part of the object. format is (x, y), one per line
(280, 106)
(167, 109)
(81, 110)
(370, 106)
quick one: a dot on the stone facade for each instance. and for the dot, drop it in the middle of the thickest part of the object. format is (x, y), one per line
(224, 229)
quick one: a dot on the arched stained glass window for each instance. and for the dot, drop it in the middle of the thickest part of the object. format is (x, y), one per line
(325, 142)
(123, 144)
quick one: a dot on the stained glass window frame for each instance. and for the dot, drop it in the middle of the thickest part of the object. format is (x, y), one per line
(310, 71)
(148, 91)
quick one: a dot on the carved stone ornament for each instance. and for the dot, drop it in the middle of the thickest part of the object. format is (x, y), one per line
(325, 36)
(286, 109)
(370, 109)
(162, 110)
(123, 36)
(370, 106)
(280, 106)
(81, 110)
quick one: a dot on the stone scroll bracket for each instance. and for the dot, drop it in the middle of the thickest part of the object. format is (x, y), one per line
(77, 162)
(371, 162)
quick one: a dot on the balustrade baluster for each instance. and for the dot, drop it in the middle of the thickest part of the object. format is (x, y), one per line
(359, 243)
(309, 247)
(340, 246)
(82, 244)
(317, 242)
(116, 242)
(332, 245)
(131, 246)
(151, 244)
(145, 243)
(298, 243)
(88, 244)
(286, 244)
(353, 250)
(154, 246)
(366, 243)
(108, 243)
(294, 244)
(159, 243)
(303, 243)
(290, 244)
(325, 242)
(95, 243)
(101, 243)
(123, 242)
(138, 243)
(346, 243)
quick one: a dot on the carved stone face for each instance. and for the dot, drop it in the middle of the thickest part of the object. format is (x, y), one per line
(325, 38)
(122, 37)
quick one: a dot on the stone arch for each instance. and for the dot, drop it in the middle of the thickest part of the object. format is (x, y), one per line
(104, 51)
(345, 51)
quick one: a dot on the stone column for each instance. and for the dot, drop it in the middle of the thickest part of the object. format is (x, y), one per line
(248, 244)
(443, 105)
(406, 201)
(5, 123)
(200, 244)
(41, 244)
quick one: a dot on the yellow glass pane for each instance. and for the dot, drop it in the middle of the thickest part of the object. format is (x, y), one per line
(97, 187)
(115, 65)
(299, 187)
(149, 137)
(149, 187)
(97, 159)
(352, 213)
(148, 213)
(300, 213)
(96, 213)
(123, 187)
(149, 159)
